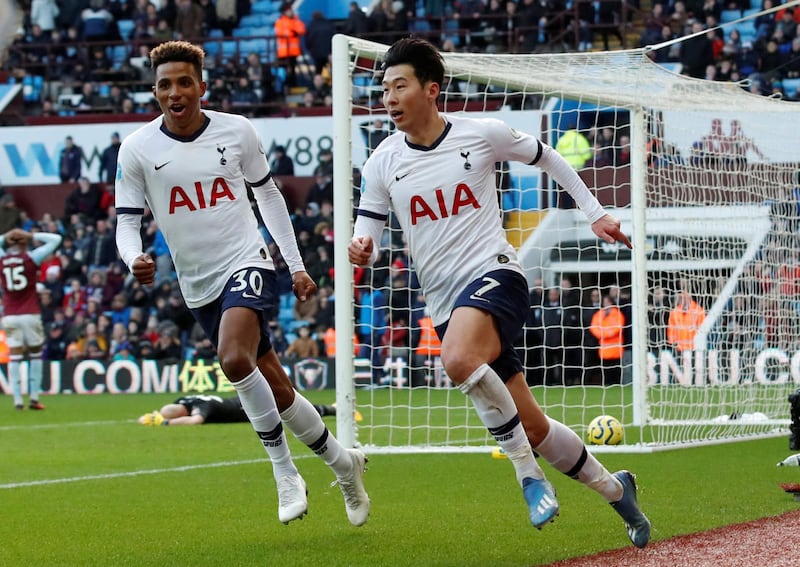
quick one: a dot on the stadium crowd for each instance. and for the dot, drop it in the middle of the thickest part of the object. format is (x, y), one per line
(79, 56)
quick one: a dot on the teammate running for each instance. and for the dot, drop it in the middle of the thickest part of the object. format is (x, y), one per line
(192, 168)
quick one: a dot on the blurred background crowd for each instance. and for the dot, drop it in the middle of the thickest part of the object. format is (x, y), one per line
(265, 58)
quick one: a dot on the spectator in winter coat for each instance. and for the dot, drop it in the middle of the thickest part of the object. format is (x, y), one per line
(319, 35)
(108, 160)
(71, 161)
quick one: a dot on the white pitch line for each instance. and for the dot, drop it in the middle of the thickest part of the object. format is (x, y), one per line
(62, 425)
(129, 473)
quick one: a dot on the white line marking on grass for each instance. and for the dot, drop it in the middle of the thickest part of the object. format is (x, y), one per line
(130, 473)
(62, 425)
(108, 476)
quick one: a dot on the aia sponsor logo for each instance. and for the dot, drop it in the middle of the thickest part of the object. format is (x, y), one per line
(443, 206)
(199, 196)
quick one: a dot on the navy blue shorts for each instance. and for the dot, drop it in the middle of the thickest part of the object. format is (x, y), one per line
(503, 294)
(249, 287)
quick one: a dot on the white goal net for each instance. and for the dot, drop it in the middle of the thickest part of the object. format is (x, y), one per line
(703, 175)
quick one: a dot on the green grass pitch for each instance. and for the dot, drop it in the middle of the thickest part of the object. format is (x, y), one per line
(83, 484)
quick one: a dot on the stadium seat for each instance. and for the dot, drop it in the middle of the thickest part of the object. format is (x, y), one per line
(286, 318)
(747, 33)
(361, 85)
(216, 33)
(748, 36)
(530, 199)
(230, 49)
(262, 31)
(256, 45)
(280, 78)
(119, 55)
(790, 87)
(451, 32)
(420, 26)
(32, 88)
(263, 7)
(212, 48)
(126, 28)
(287, 301)
(254, 20)
(729, 16)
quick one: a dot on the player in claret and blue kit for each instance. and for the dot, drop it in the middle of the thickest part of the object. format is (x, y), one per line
(22, 314)
(191, 168)
(438, 176)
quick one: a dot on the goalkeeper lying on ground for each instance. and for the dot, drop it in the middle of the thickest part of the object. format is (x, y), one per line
(200, 409)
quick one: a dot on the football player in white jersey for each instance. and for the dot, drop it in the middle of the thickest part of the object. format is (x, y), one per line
(438, 177)
(191, 167)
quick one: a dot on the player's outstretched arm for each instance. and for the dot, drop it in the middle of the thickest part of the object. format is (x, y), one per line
(608, 228)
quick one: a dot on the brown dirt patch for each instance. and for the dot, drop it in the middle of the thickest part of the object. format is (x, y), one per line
(769, 542)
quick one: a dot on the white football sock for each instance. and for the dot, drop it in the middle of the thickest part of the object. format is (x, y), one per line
(258, 403)
(563, 449)
(497, 411)
(304, 421)
(16, 379)
(35, 375)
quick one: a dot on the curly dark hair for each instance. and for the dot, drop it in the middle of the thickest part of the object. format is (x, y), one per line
(181, 51)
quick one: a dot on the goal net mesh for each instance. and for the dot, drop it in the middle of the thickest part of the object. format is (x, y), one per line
(703, 176)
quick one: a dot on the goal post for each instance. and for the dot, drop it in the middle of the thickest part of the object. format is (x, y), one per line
(703, 176)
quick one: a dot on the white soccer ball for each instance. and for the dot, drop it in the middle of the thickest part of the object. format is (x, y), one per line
(605, 430)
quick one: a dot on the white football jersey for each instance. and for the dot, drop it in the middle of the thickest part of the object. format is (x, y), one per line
(195, 188)
(445, 199)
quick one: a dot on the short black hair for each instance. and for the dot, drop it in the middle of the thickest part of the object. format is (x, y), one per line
(421, 54)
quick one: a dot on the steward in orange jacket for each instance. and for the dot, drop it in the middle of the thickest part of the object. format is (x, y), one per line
(429, 344)
(289, 29)
(684, 321)
(5, 351)
(329, 338)
(607, 325)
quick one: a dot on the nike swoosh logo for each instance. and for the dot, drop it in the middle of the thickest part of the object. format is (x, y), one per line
(162, 165)
(248, 295)
(402, 175)
(476, 298)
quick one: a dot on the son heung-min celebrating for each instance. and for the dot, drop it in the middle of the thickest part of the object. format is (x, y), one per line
(438, 176)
